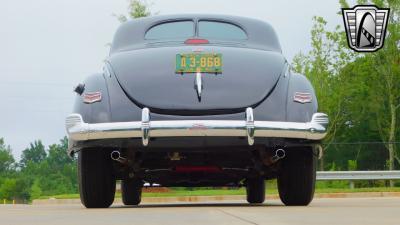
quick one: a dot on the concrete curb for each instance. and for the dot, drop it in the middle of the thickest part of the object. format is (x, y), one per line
(358, 195)
(54, 201)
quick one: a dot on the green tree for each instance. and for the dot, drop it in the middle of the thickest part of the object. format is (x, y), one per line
(380, 71)
(55, 174)
(6, 158)
(23, 187)
(35, 191)
(385, 71)
(40, 173)
(136, 9)
(57, 155)
(7, 189)
(35, 153)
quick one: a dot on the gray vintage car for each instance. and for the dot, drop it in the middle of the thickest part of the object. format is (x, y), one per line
(195, 100)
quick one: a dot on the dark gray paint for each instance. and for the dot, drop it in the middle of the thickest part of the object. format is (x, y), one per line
(148, 77)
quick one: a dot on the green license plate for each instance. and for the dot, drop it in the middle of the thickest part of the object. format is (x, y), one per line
(199, 62)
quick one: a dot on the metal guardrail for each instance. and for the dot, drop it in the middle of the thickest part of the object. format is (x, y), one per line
(339, 175)
(359, 175)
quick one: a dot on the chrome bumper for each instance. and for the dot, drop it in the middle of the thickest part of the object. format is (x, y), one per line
(78, 130)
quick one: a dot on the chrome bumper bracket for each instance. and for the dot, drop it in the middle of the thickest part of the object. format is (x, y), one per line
(250, 126)
(145, 126)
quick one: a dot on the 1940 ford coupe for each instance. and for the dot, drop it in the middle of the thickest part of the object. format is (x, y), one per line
(192, 101)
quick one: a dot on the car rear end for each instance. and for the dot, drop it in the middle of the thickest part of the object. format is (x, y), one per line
(197, 101)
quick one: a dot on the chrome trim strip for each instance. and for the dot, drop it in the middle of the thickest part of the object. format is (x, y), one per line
(198, 83)
(78, 130)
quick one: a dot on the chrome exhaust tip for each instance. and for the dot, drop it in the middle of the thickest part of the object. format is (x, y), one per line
(279, 154)
(116, 156)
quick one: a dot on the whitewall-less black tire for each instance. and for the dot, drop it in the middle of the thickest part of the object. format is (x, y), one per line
(255, 190)
(131, 190)
(296, 178)
(96, 179)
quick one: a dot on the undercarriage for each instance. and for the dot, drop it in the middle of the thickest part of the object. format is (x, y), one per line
(197, 167)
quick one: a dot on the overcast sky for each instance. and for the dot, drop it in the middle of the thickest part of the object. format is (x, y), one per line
(48, 46)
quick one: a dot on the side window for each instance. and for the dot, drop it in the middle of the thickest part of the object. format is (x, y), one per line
(171, 30)
(221, 30)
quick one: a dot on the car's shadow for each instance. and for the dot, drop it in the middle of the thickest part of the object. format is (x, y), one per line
(196, 205)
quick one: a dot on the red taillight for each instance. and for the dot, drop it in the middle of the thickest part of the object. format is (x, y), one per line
(190, 169)
(196, 41)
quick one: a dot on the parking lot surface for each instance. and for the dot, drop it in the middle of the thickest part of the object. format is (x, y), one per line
(342, 211)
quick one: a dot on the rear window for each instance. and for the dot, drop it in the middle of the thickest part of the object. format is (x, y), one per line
(171, 30)
(221, 30)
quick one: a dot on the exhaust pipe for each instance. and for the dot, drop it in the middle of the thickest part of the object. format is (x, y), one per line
(320, 151)
(116, 156)
(279, 154)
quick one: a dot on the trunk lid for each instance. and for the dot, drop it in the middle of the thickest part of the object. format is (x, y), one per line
(148, 78)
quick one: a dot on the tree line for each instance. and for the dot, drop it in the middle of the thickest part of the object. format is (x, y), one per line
(40, 171)
(359, 91)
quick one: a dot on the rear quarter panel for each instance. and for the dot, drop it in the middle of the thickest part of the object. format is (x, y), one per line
(98, 112)
(300, 112)
(280, 104)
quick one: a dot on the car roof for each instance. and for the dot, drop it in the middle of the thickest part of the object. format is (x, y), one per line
(130, 35)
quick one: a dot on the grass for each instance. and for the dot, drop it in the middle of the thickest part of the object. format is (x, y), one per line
(239, 191)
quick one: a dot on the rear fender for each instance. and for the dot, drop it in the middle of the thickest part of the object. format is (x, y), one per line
(113, 107)
(300, 112)
(97, 112)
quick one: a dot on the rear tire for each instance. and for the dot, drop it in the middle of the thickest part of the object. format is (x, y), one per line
(255, 190)
(96, 179)
(131, 191)
(296, 178)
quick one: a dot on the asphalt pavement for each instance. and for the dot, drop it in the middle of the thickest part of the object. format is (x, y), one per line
(363, 211)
